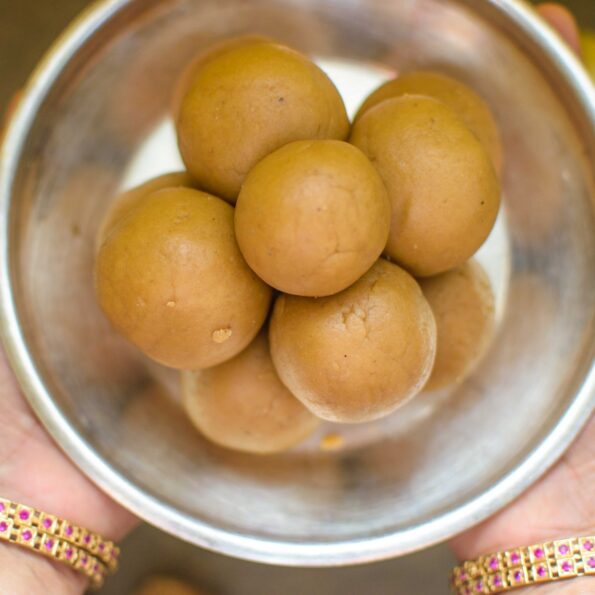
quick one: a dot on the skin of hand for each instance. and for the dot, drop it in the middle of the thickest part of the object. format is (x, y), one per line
(34, 471)
(562, 503)
(563, 21)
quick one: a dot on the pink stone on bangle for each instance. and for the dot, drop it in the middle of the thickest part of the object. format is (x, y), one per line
(536, 564)
(56, 538)
(105, 550)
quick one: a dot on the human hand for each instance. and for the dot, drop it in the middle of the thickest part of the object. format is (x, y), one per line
(34, 471)
(561, 504)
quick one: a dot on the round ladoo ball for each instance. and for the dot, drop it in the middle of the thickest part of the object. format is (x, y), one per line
(312, 217)
(171, 279)
(359, 354)
(443, 188)
(164, 585)
(467, 104)
(241, 404)
(125, 202)
(248, 102)
(213, 51)
(463, 305)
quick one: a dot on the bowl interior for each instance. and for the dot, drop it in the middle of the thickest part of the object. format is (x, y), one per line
(104, 126)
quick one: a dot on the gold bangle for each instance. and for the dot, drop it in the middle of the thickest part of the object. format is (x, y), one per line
(56, 538)
(101, 548)
(519, 567)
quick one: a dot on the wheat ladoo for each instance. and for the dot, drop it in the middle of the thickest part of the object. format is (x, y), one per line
(465, 102)
(359, 354)
(171, 279)
(463, 305)
(442, 185)
(312, 217)
(247, 102)
(213, 51)
(125, 202)
(165, 585)
(241, 404)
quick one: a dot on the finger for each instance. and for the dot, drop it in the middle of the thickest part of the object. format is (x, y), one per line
(538, 515)
(563, 21)
(12, 104)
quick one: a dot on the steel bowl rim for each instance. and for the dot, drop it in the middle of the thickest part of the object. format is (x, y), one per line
(167, 517)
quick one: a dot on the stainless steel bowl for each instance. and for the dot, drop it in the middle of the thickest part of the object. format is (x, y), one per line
(94, 119)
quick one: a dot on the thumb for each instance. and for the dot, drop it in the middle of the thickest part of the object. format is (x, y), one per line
(563, 21)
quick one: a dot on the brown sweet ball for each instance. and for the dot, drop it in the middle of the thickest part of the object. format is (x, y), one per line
(247, 102)
(312, 217)
(359, 354)
(443, 188)
(171, 279)
(463, 305)
(213, 51)
(467, 104)
(165, 585)
(125, 202)
(241, 404)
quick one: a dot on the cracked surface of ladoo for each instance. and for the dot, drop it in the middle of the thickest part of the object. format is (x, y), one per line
(359, 354)
(246, 103)
(443, 188)
(312, 217)
(242, 404)
(171, 279)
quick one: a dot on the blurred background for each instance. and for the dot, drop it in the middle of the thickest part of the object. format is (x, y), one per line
(27, 28)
